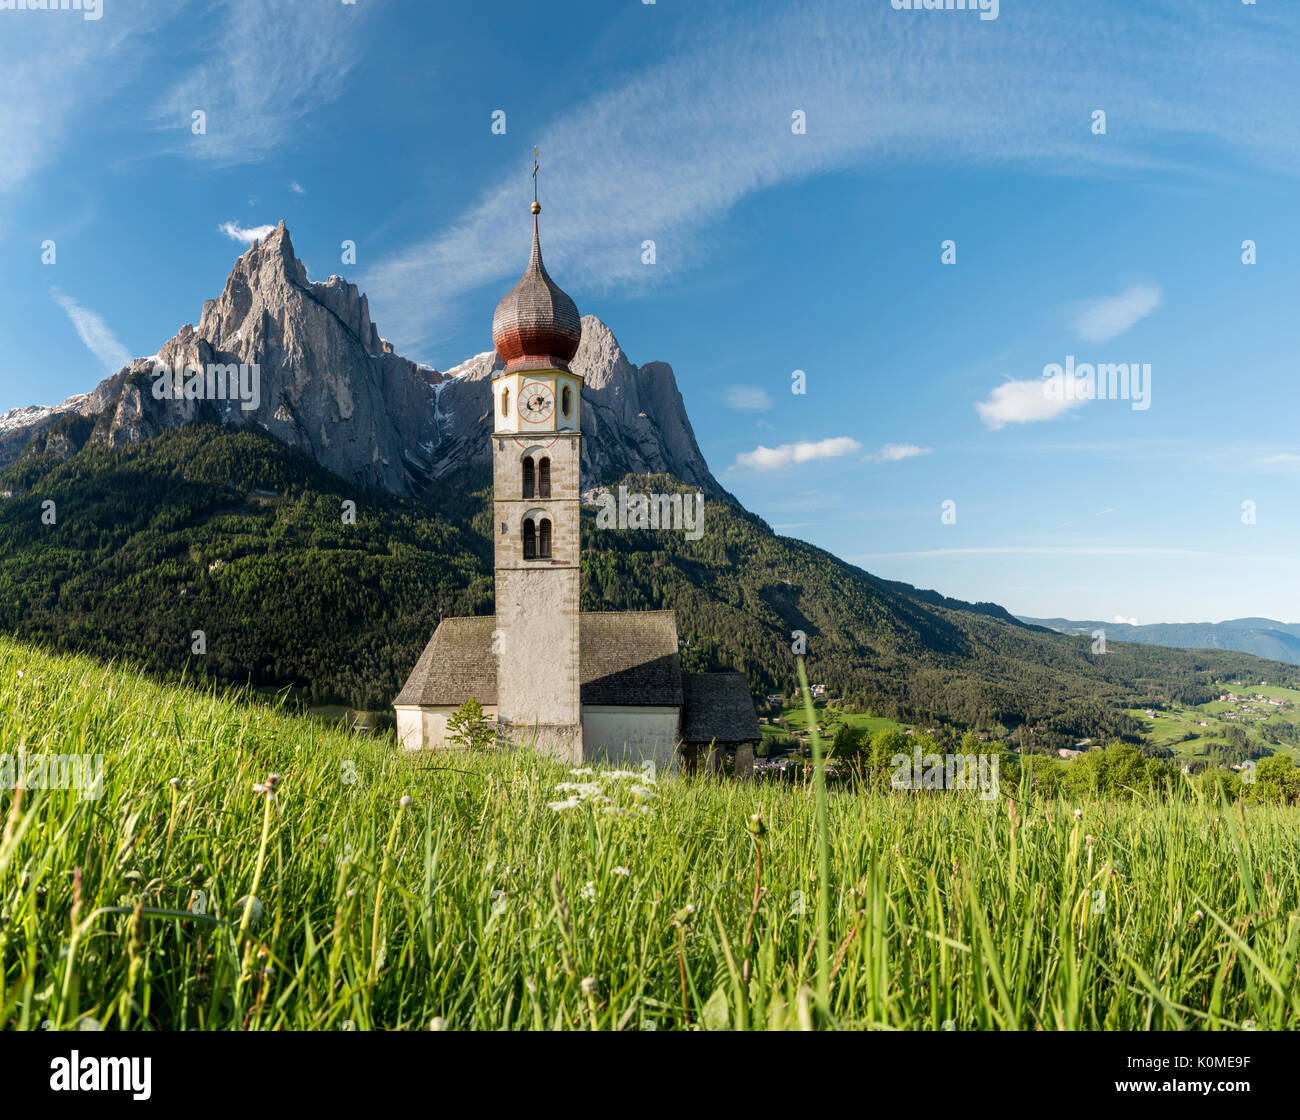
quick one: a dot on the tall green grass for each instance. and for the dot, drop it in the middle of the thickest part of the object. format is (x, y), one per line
(478, 905)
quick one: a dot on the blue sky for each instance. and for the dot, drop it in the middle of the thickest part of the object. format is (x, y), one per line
(776, 250)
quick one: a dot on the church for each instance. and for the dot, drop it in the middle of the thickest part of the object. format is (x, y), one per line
(584, 686)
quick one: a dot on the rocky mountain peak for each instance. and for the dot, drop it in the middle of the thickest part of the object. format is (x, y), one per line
(327, 383)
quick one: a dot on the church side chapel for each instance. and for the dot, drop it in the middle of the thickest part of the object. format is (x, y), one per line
(584, 686)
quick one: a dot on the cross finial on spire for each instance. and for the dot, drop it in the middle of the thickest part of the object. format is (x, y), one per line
(537, 206)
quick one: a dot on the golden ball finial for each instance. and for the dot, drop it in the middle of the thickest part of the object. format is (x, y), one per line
(536, 208)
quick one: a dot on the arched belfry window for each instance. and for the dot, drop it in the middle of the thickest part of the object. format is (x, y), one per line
(544, 478)
(505, 401)
(530, 540)
(566, 401)
(529, 478)
(544, 539)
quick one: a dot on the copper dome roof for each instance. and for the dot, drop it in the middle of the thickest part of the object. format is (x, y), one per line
(537, 324)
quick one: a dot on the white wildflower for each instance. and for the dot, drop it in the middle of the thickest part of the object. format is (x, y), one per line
(642, 791)
(255, 909)
(582, 789)
(589, 892)
(622, 871)
(567, 803)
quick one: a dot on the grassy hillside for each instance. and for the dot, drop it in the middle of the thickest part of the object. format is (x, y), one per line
(237, 536)
(481, 904)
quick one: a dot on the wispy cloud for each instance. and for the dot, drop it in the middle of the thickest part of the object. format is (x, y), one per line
(1107, 317)
(247, 235)
(747, 398)
(94, 332)
(1023, 402)
(264, 68)
(896, 452)
(670, 151)
(297, 187)
(55, 71)
(1119, 618)
(788, 454)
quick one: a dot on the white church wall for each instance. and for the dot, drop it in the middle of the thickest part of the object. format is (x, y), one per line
(408, 728)
(628, 735)
(426, 728)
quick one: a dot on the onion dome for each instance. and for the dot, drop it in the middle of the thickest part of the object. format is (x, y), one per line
(536, 326)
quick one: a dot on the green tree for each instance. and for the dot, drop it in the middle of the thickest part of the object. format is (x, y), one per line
(1277, 780)
(468, 727)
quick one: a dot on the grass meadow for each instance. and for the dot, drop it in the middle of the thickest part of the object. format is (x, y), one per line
(510, 893)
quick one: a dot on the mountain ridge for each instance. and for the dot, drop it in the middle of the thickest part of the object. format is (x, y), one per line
(1262, 637)
(331, 386)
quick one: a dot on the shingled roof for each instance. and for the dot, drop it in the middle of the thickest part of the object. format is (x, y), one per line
(626, 658)
(630, 657)
(456, 664)
(718, 707)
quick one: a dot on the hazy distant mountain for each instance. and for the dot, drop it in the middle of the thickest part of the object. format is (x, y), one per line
(1264, 637)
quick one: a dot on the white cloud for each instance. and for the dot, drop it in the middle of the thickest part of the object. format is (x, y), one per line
(1108, 317)
(236, 232)
(1124, 621)
(747, 398)
(895, 452)
(788, 454)
(297, 187)
(259, 70)
(94, 332)
(1023, 402)
(676, 146)
(62, 75)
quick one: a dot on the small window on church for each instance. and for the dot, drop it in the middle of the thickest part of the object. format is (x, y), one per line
(505, 402)
(544, 538)
(530, 540)
(529, 476)
(543, 479)
(566, 401)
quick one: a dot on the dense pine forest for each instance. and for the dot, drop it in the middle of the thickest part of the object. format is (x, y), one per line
(284, 574)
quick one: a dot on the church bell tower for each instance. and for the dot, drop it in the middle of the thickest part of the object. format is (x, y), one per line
(536, 454)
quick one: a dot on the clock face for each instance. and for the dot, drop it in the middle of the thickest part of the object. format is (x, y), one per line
(536, 402)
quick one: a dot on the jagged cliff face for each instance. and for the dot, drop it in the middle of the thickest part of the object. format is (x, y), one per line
(633, 417)
(330, 386)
